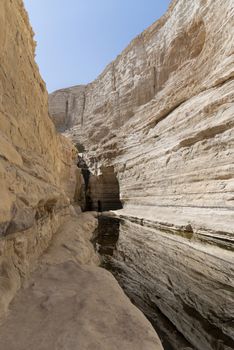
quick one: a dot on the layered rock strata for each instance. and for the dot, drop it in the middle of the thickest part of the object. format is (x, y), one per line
(162, 115)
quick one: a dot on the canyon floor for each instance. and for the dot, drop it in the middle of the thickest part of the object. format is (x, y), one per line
(70, 303)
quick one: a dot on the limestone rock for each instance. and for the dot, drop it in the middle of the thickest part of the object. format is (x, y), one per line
(75, 307)
(161, 114)
(61, 112)
(72, 241)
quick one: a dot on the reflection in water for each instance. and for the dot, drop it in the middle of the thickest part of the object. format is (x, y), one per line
(106, 236)
(105, 240)
(164, 276)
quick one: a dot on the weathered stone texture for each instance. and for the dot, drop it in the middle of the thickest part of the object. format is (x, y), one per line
(35, 162)
(66, 105)
(161, 113)
(67, 304)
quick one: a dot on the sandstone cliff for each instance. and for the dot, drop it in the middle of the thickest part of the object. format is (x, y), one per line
(161, 114)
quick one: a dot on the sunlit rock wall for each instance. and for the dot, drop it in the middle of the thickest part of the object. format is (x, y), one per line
(161, 113)
(35, 162)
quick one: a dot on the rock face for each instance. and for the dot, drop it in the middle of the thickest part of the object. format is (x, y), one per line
(64, 106)
(66, 305)
(162, 115)
(36, 164)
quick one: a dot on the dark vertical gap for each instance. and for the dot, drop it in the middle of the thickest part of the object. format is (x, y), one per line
(81, 164)
(99, 206)
(66, 109)
(103, 193)
(154, 80)
(82, 114)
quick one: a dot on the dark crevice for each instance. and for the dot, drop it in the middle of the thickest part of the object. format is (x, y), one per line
(101, 193)
(153, 123)
(83, 110)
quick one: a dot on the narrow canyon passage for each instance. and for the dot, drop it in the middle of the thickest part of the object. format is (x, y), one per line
(145, 151)
(169, 277)
(103, 191)
(100, 192)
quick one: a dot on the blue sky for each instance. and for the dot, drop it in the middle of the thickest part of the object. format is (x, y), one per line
(76, 39)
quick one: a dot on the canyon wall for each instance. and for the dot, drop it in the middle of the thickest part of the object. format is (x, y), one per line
(62, 302)
(161, 114)
(37, 177)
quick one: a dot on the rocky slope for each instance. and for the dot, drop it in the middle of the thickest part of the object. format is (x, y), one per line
(162, 115)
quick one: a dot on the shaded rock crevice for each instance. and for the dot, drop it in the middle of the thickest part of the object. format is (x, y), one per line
(99, 192)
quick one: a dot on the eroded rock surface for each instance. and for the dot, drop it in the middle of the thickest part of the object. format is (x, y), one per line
(161, 113)
(67, 305)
